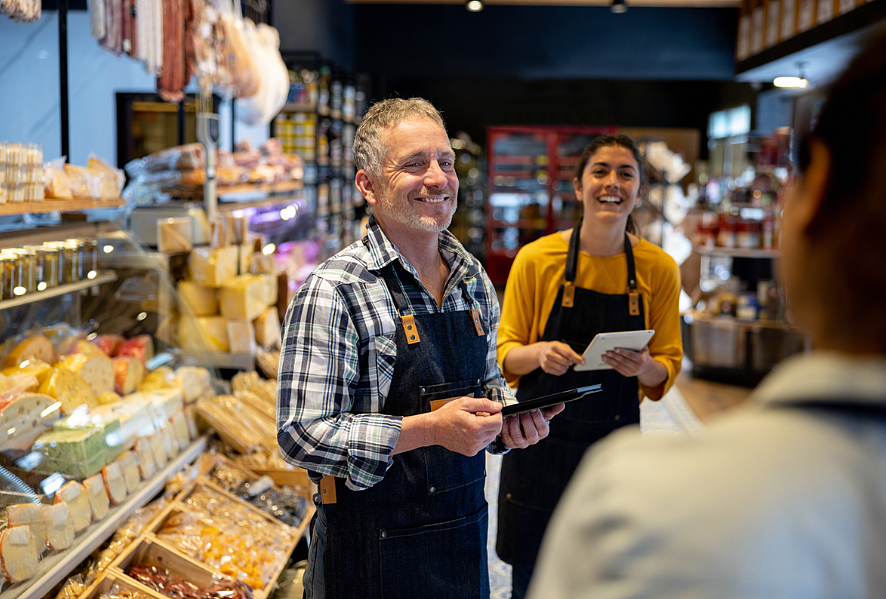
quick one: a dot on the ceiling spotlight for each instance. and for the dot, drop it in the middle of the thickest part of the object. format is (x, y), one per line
(474, 5)
(792, 81)
(619, 7)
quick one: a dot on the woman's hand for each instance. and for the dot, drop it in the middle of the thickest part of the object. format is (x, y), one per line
(555, 357)
(627, 362)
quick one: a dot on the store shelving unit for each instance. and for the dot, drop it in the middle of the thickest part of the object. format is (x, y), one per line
(530, 172)
(58, 206)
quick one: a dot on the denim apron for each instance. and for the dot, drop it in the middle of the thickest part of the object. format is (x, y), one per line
(421, 531)
(533, 479)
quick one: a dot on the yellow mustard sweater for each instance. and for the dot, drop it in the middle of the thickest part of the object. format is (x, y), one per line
(539, 271)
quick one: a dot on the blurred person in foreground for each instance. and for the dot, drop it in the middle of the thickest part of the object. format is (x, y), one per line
(389, 390)
(784, 497)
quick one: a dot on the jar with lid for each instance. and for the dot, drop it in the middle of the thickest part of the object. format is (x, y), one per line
(90, 256)
(70, 263)
(748, 234)
(11, 267)
(27, 271)
(48, 257)
(5, 272)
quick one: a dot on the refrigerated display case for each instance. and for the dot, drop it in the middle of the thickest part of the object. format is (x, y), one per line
(530, 172)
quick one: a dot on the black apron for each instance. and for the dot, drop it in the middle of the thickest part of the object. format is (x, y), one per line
(421, 531)
(533, 479)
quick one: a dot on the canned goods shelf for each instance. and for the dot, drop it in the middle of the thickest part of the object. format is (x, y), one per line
(101, 277)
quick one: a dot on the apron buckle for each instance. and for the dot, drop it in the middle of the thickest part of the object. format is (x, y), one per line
(478, 325)
(634, 303)
(409, 328)
(568, 294)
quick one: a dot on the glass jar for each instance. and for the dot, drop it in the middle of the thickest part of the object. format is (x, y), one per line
(5, 266)
(27, 270)
(69, 262)
(90, 256)
(48, 257)
(12, 274)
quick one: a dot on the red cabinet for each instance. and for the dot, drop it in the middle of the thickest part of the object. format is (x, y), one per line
(530, 172)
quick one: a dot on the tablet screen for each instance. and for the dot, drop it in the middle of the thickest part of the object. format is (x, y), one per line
(549, 400)
(604, 342)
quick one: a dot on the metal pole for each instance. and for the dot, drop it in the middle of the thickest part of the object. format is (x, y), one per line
(63, 74)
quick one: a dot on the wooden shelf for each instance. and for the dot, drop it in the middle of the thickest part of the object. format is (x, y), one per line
(56, 566)
(102, 277)
(54, 205)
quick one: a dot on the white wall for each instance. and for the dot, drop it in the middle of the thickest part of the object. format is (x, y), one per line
(29, 89)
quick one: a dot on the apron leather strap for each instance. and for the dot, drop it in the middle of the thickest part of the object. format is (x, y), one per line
(571, 267)
(633, 294)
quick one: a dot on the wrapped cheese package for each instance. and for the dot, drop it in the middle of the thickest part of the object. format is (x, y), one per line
(158, 447)
(37, 346)
(128, 462)
(70, 389)
(59, 526)
(108, 343)
(212, 267)
(24, 412)
(79, 449)
(37, 368)
(141, 347)
(203, 333)
(129, 372)
(18, 554)
(99, 503)
(147, 464)
(112, 478)
(180, 428)
(194, 382)
(28, 514)
(74, 495)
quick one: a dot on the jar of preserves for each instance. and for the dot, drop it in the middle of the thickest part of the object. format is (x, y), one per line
(69, 262)
(90, 256)
(27, 270)
(49, 254)
(5, 282)
(11, 274)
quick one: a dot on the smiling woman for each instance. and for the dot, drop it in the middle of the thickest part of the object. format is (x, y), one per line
(563, 289)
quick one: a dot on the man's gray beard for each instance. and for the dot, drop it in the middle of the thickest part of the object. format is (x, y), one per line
(411, 217)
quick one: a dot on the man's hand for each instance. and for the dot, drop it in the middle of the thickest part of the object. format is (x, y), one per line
(465, 425)
(528, 428)
(555, 357)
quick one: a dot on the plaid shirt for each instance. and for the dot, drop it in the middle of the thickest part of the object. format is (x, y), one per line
(339, 350)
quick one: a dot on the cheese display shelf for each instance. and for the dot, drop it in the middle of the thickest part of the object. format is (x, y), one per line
(55, 566)
(58, 206)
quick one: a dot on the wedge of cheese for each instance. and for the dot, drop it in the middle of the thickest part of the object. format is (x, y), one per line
(158, 447)
(180, 428)
(243, 297)
(87, 347)
(108, 343)
(245, 253)
(24, 412)
(212, 267)
(129, 372)
(147, 465)
(18, 554)
(70, 389)
(112, 477)
(160, 378)
(38, 368)
(74, 495)
(33, 347)
(193, 382)
(107, 398)
(141, 347)
(191, 421)
(59, 526)
(267, 328)
(128, 462)
(271, 288)
(97, 370)
(202, 301)
(170, 443)
(203, 333)
(241, 337)
(29, 514)
(99, 503)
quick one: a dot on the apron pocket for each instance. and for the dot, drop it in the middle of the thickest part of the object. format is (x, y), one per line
(444, 560)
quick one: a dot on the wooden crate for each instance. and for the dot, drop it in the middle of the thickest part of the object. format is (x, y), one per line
(148, 550)
(108, 579)
(296, 477)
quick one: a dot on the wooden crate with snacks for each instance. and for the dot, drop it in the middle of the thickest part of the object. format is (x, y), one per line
(118, 586)
(252, 467)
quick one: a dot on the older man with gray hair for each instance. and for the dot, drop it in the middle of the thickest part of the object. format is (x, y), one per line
(389, 389)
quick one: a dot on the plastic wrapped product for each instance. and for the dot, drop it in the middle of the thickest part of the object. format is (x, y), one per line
(179, 425)
(203, 301)
(59, 526)
(108, 343)
(79, 451)
(99, 504)
(97, 370)
(22, 413)
(193, 381)
(17, 382)
(147, 464)
(28, 514)
(128, 462)
(115, 486)
(170, 443)
(74, 495)
(212, 329)
(18, 554)
(141, 347)
(212, 267)
(70, 389)
(158, 446)
(33, 347)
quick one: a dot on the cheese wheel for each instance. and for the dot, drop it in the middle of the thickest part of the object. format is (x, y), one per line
(38, 368)
(128, 374)
(99, 504)
(108, 344)
(74, 495)
(33, 347)
(128, 462)
(108, 397)
(18, 554)
(112, 478)
(24, 412)
(159, 448)
(70, 389)
(97, 370)
(147, 465)
(141, 347)
(28, 514)
(59, 526)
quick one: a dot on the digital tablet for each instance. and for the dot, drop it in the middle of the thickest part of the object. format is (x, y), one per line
(604, 342)
(549, 400)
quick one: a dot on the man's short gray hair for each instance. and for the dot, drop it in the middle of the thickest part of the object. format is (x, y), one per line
(369, 149)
